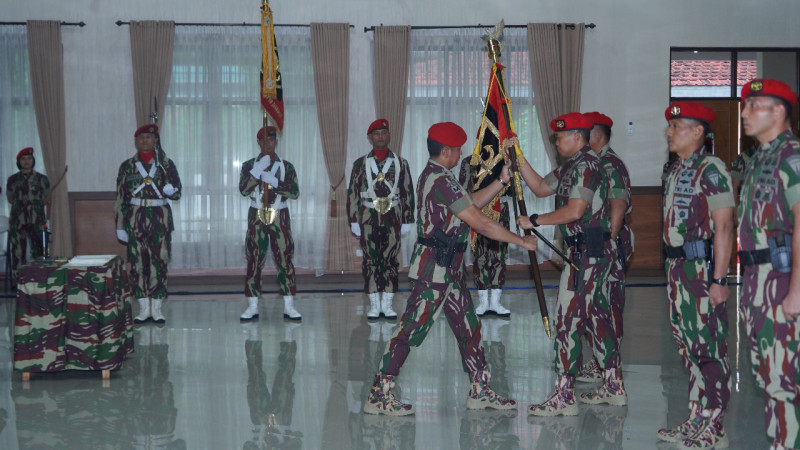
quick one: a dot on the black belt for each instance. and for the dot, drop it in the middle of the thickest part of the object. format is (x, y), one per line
(432, 242)
(678, 252)
(755, 257)
(572, 241)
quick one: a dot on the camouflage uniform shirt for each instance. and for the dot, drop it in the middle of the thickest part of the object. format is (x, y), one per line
(27, 194)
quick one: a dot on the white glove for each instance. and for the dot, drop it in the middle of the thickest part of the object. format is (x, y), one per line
(269, 178)
(405, 228)
(122, 235)
(169, 189)
(355, 228)
(260, 166)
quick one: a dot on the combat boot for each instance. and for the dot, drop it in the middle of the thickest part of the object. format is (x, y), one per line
(561, 402)
(590, 372)
(156, 311)
(382, 401)
(494, 303)
(483, 302)
(612, 391)
(778, 446)
(252, 310)
(386, 305)
(711, 434)
(686, 429)
(374, 306)
(144, 311)
(288, 309)
(482, 396)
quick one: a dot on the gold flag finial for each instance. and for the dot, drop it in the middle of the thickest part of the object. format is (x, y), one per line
(493, 37)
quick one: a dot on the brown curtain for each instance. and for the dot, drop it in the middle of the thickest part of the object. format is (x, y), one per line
(556, 59)
(330, 53)
(47, 85)
(152, 44)
(392, 51)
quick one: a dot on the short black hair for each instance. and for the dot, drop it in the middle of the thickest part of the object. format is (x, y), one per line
(584, 134)
(786, 106)
(435, 148)
(605, 129)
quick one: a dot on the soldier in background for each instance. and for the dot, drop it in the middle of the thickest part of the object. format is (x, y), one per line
(146, 183)
(380, 204)
(28, 192)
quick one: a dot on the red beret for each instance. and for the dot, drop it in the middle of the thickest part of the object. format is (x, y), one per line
(600, 119)
(571, 121)
(447, 134)
(771, 88)
(690, 110)
(25, 151)
(149, 128)
(378, 125)
(271, 131)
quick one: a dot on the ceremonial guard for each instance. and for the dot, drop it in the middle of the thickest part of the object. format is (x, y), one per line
(380, 204)
(445, 213)
(582, 214)
(697, 209)
(28, 193)
(269, 181)
(489, 263)
(768, 220)
(145, 184)
(619, 203)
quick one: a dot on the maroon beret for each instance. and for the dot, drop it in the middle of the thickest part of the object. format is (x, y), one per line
(447, 134)
(600, 119)
(271, 131)
(25, 151)
(571, 121)
(378, 125)
(690, 110)
(771, 88)
(149, 128)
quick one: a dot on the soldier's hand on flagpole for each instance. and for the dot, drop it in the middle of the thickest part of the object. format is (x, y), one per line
(270, 179)
(529, 243)
(355, 228)
(505, 174)
(524, 223)
(260, 166)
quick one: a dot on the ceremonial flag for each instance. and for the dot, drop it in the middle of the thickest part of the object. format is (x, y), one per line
(270, 85)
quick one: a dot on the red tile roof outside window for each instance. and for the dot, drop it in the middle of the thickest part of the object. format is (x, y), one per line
(710, 73)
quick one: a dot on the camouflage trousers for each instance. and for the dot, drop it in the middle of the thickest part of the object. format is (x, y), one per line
(380, 245)
(265, 406)
(19, 236)
(616, 295)
(278, 236)
(700, 331)
(426, 302)
(148, 254)
(774, 341)
(586, 309)
(489, 266)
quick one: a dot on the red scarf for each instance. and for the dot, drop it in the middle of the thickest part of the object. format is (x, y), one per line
(147, 157)
(380, 155)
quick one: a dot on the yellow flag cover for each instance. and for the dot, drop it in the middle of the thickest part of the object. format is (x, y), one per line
(271, 87)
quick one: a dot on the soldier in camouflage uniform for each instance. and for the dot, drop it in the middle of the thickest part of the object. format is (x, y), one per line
(145, 184)
(28, 192)
(739, 166)
(619, 202)
(698, 233)
(768, 211)
(280, 179)
(445, 214)
(380, 204)
(489, 263)
(580, 186)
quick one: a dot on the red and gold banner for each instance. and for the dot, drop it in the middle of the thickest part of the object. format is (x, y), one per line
(270, 86)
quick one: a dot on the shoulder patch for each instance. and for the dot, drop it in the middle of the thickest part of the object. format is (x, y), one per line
(794, 163)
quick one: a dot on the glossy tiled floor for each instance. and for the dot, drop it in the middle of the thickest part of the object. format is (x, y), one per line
(205, 381)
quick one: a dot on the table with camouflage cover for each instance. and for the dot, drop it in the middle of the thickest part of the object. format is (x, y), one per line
(72, 317)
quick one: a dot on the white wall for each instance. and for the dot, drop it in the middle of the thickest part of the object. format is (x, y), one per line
(626, 73)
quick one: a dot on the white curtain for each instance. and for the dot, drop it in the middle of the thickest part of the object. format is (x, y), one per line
(209, 129)
(449, 78)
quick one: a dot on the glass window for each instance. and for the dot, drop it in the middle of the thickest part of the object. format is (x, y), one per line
(698, 73)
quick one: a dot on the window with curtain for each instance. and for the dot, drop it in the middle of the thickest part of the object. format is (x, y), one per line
(448, 81)
(209, 129)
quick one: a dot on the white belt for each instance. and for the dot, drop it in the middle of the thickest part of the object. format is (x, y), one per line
(257, 205)
(148, 202)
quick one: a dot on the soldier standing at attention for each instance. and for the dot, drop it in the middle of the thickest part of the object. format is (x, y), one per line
(697, 208)
(145, 184)
(768, 220)
(269, 175)
(28, 193)
(446, 212)
(583, 306)
(380, 203)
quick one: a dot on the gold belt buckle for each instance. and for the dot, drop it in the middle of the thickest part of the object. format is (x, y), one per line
(382, 204)
(267, 215)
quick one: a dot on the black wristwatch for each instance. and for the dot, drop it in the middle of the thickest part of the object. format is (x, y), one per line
(720, 281)
(504, 183)
(533, 218)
